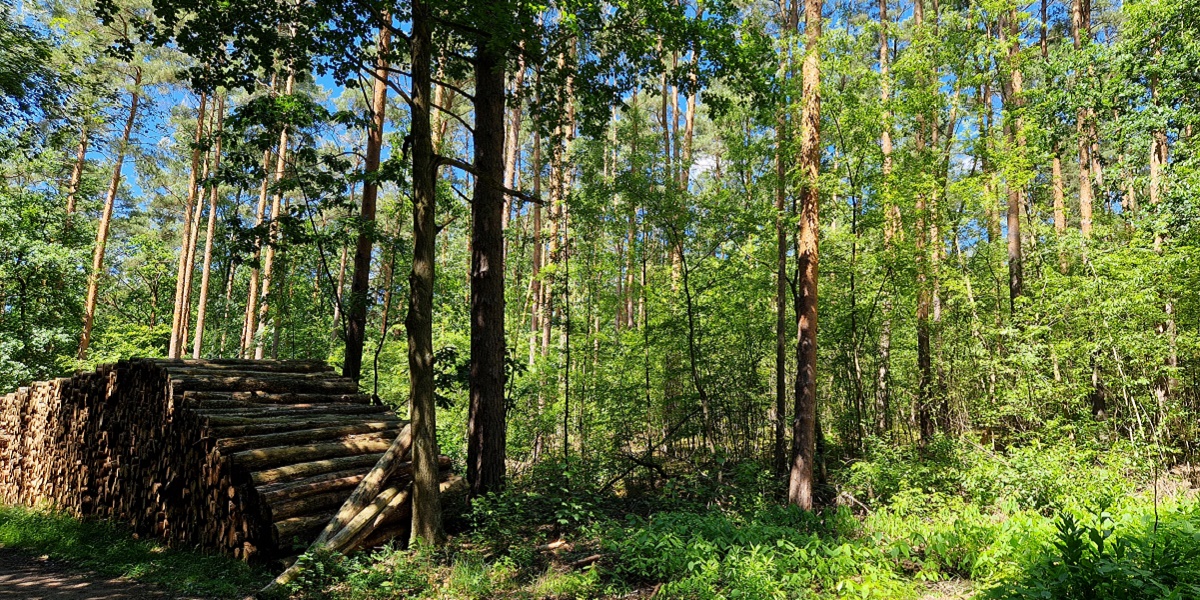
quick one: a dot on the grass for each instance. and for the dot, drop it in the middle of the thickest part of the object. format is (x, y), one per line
(112, 551)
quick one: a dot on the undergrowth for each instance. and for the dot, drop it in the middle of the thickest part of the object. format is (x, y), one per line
(112, 551)
(1035, 520)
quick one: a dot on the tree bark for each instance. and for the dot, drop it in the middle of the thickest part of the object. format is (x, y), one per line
(1080, 27)
(892, 225)
(427, 514)
(273, 235)
(89, 311)
(250, 324)
(77, 168)
(214, 195)
(535, 283)
(1013, 104)
(356, 326)
(175, 349)
(781, 293)
(486, 428)
(800, 487)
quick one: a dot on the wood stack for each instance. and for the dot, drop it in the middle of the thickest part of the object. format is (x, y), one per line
(249, 458)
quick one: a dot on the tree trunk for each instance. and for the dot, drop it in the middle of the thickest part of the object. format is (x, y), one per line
(513, 150)
(892, 225)
(1165, 385)
(1013, 103)
(77, 168)
(800, 487)
(190, 269)
(427, 513)
(231, 272)
(356, 311)
(175, 349)
(273, 235)
(250, 323)
(922, 243)
(341, 285)
(1080, 25)
(208, 240)
(486, 428)
(89, 310)
(535, 283)
(781, 293)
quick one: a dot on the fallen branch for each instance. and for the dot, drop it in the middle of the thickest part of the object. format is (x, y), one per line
(583, 562)
(555, 546)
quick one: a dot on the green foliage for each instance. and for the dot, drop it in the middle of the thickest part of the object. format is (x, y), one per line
(114, 552)
(1048, 472)
(1134, 554)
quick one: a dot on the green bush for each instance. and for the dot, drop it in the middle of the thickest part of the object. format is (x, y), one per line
(1138, 553)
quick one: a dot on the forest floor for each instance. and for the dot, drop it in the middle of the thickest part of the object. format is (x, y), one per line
(27, 577)
(48, 555)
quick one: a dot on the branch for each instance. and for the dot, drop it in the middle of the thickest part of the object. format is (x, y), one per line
(469, 168)
(448, 86)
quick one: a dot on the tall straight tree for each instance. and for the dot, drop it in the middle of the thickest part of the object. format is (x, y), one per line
(486, 427)
(800, 485)
(1013, 86)
(206, 269)
(114, 184)
(427, 513)
(791, 19)
(890, 228)
(1081, 19)
(248, 324)
(175, 349)
(274, 234)
(357, 310)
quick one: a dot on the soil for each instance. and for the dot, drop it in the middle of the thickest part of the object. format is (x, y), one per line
(25, 577)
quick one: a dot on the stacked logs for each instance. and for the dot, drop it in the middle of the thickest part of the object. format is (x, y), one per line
(249, 458)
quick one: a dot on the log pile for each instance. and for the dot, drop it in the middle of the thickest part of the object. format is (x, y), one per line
(248, 458)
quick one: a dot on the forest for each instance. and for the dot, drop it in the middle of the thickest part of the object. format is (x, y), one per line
(704, 299)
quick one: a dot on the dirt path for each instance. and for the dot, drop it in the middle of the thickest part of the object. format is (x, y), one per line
(23, 577)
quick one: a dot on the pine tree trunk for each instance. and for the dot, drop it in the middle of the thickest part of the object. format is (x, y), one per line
(1012, 126)
(512, 150)
(891, 226)
(924, 293)
(77, 168)
(486, 428)
(190, 269)
(249, 324)
(231, 272)
(273, 235)
(800, 486)
(114, 185)
(781, 292)
(175, 349)
(356, 310)
(214, 195)
(427, 514)
(1080, 21)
